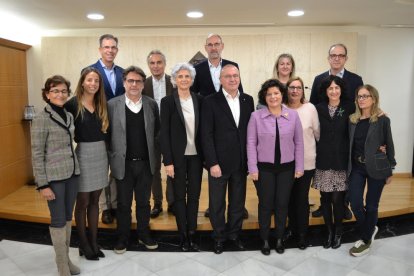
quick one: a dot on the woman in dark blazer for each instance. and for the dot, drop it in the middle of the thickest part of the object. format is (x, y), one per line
(369, 134)
(56, 167)
(181, 151)
(332, 156)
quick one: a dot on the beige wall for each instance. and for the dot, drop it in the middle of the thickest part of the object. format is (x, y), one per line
(255, 54)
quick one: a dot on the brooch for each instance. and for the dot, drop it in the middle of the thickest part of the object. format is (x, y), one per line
(340, 111)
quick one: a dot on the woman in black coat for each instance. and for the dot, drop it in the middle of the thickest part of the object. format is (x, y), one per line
(332, 156)
(181, 151)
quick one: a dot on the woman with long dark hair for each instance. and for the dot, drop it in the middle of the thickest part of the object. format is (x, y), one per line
(88, 107)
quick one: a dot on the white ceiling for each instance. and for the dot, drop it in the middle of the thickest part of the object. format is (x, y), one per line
(71, 14)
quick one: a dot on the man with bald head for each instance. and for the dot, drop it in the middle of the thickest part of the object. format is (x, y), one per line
(224, 120)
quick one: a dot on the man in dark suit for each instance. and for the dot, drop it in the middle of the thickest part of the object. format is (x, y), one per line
(337, 57)
(157, 87)
(207, 81)
(113, 86)
(134, 126)
(224, 120)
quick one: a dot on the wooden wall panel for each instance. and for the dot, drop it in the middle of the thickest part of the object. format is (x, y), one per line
(15, 157)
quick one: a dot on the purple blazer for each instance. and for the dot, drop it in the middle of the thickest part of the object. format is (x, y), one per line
(261, 138)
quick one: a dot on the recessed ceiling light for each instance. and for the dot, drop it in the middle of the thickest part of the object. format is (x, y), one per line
(195, 14)
(95, 16)
(296, 13)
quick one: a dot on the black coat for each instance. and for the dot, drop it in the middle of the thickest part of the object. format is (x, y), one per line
(223, 142)
(173, 135)
(332, 150)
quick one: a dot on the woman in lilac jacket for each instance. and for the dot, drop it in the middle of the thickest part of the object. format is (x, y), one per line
(275, 158)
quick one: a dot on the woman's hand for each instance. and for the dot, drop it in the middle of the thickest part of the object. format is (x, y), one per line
(47, 194)
(254, 176)
(383, 149)
(298, 174)
(170, 170)
(388, 180)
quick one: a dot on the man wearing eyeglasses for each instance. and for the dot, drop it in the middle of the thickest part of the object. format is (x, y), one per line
(113, 86)
(157, 87)
(337, 57)
(207, 79)
(224, 120)
(133, 134)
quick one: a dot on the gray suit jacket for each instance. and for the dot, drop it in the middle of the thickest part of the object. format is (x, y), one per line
(379, 165)
(53, 156)
(117, 133)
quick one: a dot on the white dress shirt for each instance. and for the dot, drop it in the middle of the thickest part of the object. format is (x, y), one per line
(234, 105)
(215, 74)
(134, 107)
(159, 89)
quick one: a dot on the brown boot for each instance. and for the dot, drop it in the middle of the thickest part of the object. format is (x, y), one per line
(58, 236)
(74, 270)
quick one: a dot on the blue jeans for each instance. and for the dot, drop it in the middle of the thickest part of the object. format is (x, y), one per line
(366, 216)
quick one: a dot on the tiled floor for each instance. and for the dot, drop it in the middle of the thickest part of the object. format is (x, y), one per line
(389, 257)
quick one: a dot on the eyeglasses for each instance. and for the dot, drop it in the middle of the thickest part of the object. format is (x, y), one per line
(363, 97)
(215, 45)
(333, 56)
(235, 76)
(132, 82)
(293, 88)
(57, 91)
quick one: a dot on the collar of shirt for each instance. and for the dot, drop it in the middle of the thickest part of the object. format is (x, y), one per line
(134, 107)
(104, 66)
(229, 97)
(161, 80)
(210, 65)
(340, 73)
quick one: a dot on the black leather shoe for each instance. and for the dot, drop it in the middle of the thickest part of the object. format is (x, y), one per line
(245, 214)
(280, 248)
(193, 245)
(207, 213)
(347, 213)
(238, 244)
(265, 248)
(317, 213)
(107, 217)
(302, 242)
(218, 247)
(184, 244)
(88, 253)
(328, 241)
(156, 211)
(98, 252)
(336, 242)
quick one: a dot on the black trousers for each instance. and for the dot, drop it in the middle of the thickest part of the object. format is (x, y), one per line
(273, 190)
(137, 181)
(186, 186)
(156, 187)
(298, 213)
(333, 203)
(235, 182)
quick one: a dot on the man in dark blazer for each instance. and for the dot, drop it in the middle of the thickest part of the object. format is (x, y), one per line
(207, 81)
(157, 87)
(224, 120)
(337, 57)
(133, 133)
(113, 86)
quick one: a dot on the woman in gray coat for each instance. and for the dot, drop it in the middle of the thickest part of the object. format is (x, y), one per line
(56, 167)
(369, 163)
